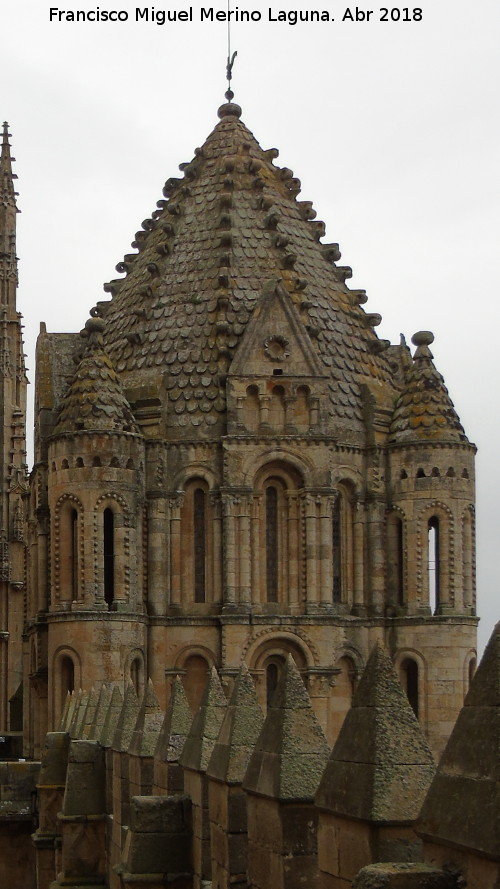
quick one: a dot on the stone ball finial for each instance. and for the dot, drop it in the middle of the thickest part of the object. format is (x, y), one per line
(422, 338)
(94, 325)
(229, 109)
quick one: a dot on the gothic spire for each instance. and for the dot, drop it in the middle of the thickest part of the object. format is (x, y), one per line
(8, 210)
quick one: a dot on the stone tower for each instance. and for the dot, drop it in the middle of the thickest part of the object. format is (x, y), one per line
(231, 465)
(13, 475)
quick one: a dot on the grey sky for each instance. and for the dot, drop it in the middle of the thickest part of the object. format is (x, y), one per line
(393, 129)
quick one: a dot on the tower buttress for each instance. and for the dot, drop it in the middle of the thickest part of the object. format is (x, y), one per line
(12, 453)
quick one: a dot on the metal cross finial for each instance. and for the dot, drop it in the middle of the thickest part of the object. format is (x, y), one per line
(229, 75)
(230, 58)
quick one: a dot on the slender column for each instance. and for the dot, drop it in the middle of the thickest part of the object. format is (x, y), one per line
(257, 561)
(175, 504)
(377, 560)
(264, 411)
(290, 402)
(217, 548)
(326, 552)
(293, 519)
(229, 558)
(157, 553)
(314, 407)
(467, 560)
(42, 554)
(311, 550)
(244, 549)
(359, 561)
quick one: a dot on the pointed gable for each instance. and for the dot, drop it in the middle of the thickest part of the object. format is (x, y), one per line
(381, 766)
(276, 338)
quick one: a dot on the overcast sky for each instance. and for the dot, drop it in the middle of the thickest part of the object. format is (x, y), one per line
(392, 127)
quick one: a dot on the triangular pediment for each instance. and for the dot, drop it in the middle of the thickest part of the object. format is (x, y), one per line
(275, 340)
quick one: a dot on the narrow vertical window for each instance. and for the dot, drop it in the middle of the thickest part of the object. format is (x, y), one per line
(410, 669)
(74, 554)
(471, 670)
(272, 677)
(433, 562)
(67, 679)
(109, 557)
(199, 542)
(135, 675)
(272, 544)
(337, 550)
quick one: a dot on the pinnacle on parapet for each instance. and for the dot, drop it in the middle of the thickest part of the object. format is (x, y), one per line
(75, 729)
(291, 751)
(205, 726)
(176, 725)
(126, 720)
(54, 759)
(90, 709)
(239, 731)
(100, 713)
(112, 717)
(462, 807)
(67, 714)
(381, 765)
(148, 724)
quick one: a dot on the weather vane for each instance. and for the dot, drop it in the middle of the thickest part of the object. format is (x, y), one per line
(230, 58)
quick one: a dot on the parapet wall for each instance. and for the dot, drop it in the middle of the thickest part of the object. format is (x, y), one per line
(231, 798)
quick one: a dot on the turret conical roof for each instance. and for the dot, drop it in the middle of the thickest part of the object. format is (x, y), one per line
(222, 232)
(95, 400)
(424, 410)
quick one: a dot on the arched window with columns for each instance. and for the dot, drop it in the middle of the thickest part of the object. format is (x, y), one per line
(395, 558)
(435, 548)
(276, 522)
(68, 531)
(342, 546)
(197, 543)
(112, 530)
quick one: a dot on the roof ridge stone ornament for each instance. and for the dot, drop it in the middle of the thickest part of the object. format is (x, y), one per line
(423, 339)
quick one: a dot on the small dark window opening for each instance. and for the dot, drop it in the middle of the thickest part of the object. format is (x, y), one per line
(272, 544)
(433, 563)
(74, 554)
(109, 557)
(135, 668)
(472, 669)
(272, 677)
(199, 512)
(411, 670)
(337, 551)
(277, 372)
(67, 676)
